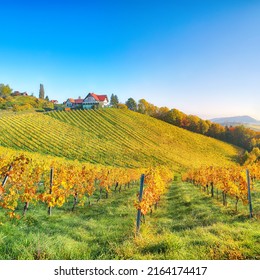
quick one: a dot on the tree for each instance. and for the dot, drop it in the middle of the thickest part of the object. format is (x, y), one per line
(216, 130)
(114, 101)
(175, 117)
(147, 108)
(131, 104)
(162, 112)
(203, 126)
(41, 92)
(143, 106)
(252, 157)
(193, 123)
(5, 90)
(47, 98)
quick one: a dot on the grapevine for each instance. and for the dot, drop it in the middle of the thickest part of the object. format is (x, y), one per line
(230, 181)
(29, 181)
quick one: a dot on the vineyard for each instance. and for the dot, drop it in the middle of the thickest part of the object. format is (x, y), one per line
(112, 137)
(74, 185)
(30, 181)
(234, 182)
(184, 226)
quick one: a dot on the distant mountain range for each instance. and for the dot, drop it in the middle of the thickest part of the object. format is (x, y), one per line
(236, 120)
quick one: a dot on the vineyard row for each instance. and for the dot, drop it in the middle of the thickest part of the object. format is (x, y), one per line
(232, 181)
(28, 181)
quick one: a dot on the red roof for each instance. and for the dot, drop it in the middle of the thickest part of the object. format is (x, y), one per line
(78, 101)
(98, 97)
(75, 101)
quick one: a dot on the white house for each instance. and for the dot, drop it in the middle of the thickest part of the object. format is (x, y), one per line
(93, 99)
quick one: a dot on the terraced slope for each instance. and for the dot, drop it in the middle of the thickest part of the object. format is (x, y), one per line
(113, 137)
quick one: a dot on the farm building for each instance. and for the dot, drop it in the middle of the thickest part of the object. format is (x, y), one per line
(93, 99)
(89, 102)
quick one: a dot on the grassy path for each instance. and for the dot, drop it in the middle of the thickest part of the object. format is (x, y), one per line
(187, 225)
(194, 226)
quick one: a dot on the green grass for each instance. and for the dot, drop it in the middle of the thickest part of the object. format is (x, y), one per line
(194, 226)
(90, 232)
(187, 225)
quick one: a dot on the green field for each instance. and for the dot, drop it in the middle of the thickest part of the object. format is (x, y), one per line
(187, 225)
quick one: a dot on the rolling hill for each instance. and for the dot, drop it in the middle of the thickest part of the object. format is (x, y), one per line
(238, 119)
(112, 137)
(246, 121)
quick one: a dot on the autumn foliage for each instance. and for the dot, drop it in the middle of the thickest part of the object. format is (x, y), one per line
(230, 181)
(156, 182)
(29, 181)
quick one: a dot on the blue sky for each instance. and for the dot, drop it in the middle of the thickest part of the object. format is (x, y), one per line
(201, 57)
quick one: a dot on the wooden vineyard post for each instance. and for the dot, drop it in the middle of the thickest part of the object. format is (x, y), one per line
(6, 176)
(50, 192)
(138, 219)
(249, 194)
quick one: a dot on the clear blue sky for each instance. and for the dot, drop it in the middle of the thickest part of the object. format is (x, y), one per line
(202, 57)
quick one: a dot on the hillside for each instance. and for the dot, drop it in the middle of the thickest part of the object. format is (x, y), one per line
(246, 121)
(255, 127)
(238, 119)
(23, 103)
(112, 137)
(100, 201)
